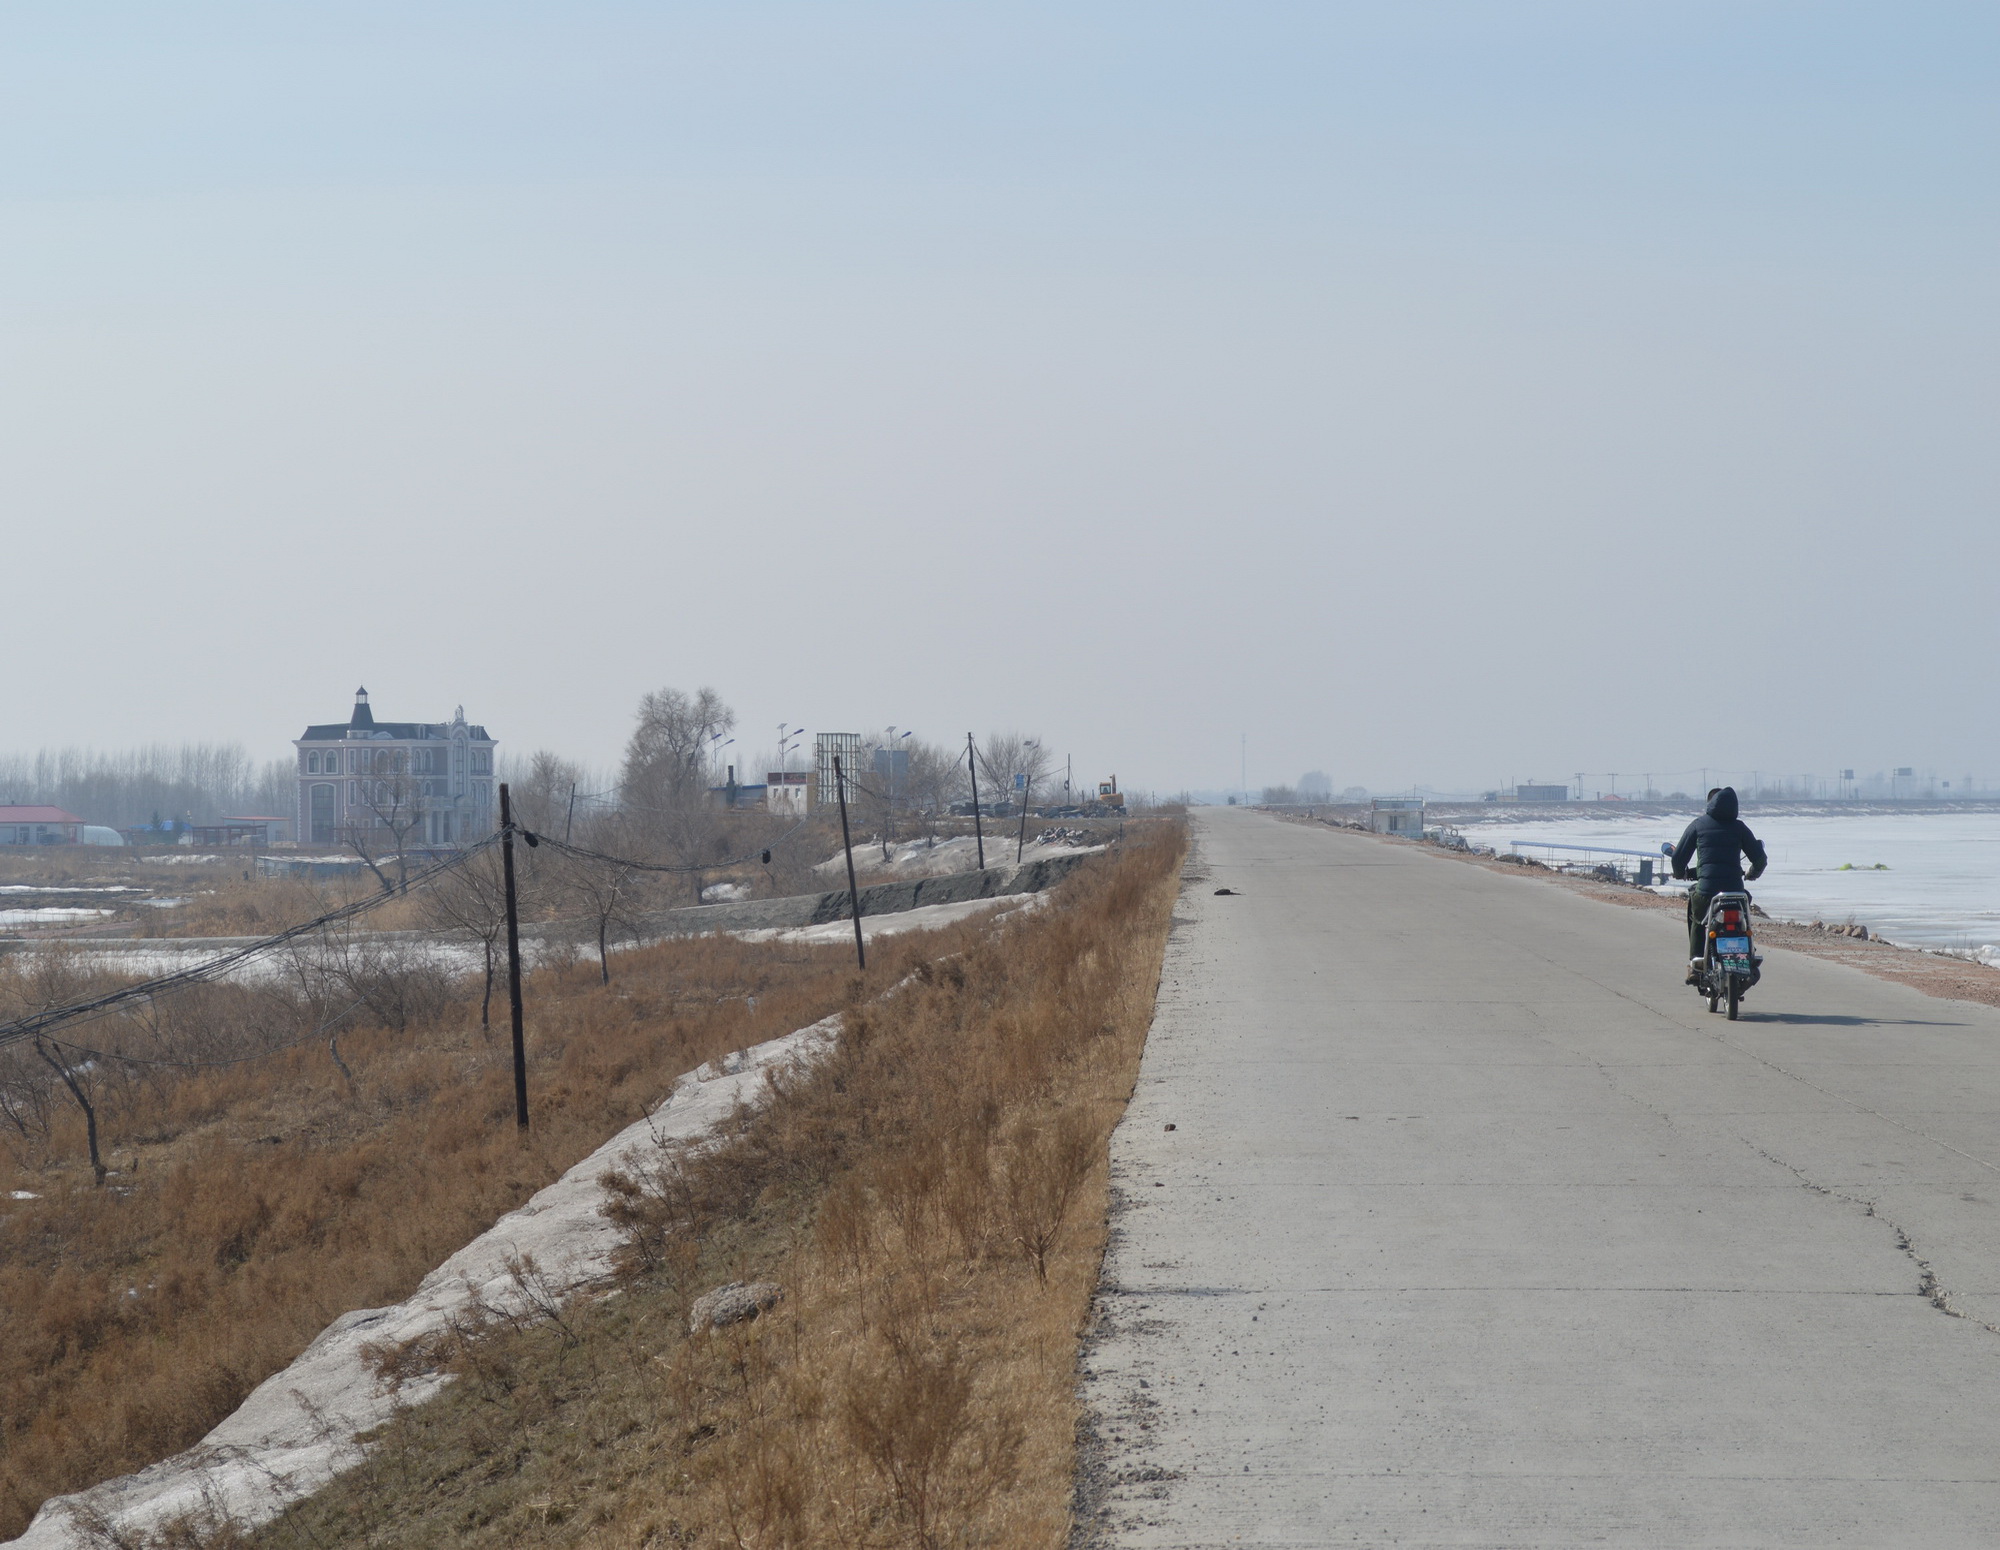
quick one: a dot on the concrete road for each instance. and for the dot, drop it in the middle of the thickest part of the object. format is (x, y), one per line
(1448, 1216)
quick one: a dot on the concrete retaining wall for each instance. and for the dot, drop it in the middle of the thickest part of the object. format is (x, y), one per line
(813, 909)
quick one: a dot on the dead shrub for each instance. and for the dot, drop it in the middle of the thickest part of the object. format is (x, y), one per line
(909, 1413)
(1048, 1160)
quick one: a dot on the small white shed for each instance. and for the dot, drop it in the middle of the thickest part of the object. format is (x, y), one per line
(1397, 815)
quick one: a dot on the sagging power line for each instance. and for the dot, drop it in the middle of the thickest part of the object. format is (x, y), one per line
(217, 967)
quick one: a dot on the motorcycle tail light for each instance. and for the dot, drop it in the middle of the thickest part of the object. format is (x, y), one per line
(1732, 919)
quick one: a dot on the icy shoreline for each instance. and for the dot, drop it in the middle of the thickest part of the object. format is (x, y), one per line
(1939, 890)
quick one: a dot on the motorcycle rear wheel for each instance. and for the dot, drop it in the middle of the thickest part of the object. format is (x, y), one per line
(1735, 996)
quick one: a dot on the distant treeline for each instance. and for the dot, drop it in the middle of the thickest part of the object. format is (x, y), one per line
(196, 782)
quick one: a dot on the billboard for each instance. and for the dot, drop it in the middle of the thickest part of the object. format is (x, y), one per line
(846, 746)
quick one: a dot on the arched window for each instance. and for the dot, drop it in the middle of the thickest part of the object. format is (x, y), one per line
(321, 812)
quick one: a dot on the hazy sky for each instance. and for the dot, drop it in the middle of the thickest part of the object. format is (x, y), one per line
(1431, 392)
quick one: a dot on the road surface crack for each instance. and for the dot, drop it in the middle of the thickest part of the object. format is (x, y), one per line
(1929, 1284)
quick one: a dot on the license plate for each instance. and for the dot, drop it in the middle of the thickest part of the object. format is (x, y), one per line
(1732, 946)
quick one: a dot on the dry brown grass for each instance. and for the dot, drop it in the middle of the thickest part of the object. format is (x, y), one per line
(932, 1199)
(252, 1203)
(228, 903)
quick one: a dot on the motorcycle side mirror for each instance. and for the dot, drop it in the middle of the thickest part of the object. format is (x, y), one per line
(1666, 849)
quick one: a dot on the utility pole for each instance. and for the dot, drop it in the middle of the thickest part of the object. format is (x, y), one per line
(1027, 790)
(847, 844)
(571, 817)
(514, 960)
(978, 834)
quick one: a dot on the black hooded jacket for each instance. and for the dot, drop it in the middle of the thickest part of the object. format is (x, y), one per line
(1716, 842)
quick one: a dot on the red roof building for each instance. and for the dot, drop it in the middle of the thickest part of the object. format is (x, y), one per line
(39, 826)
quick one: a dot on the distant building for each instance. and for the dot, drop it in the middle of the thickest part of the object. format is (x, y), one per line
(735, 793)
(1530, 793)
(39, 826)
(1397, 815)
(366, 779)
(788, 792)
(254, 830)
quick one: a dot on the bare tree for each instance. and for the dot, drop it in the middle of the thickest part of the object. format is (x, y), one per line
(669, 757)
(1009, 755)
(548, 793)
(472, 898)
(51, 977)
(603, 890)
(77, 1080)
(936, 779)
(668, 770)
(197, 781)
(395, 803)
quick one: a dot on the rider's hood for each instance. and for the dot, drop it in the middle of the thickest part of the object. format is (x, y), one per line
(1722, 806)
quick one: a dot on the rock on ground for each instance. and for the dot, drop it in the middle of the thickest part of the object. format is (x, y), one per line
(732, 1304)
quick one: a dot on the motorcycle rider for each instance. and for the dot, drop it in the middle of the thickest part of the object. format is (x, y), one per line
(1716, 843)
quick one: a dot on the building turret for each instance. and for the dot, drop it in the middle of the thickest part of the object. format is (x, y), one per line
(363, 716)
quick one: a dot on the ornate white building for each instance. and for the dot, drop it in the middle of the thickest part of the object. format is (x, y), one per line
(429, 781)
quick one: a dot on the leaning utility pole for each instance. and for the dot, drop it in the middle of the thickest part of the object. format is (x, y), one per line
(978, 834)
(514, 959)
(847, 844)
(1027, 790)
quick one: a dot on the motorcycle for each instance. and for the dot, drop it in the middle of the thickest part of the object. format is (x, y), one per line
(1729, 962)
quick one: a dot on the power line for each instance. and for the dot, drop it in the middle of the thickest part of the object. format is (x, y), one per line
(632, 865)
(190, 1064)
(215, 968)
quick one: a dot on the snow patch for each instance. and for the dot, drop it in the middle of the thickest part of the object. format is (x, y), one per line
(926, 917)
(59, 888)
(297, 1429)
(50, 915)
(921, 858)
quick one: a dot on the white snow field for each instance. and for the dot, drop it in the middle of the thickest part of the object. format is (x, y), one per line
(1941, 889)
(296, 1431)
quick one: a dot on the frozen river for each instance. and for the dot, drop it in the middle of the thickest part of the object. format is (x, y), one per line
(1941, 889)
